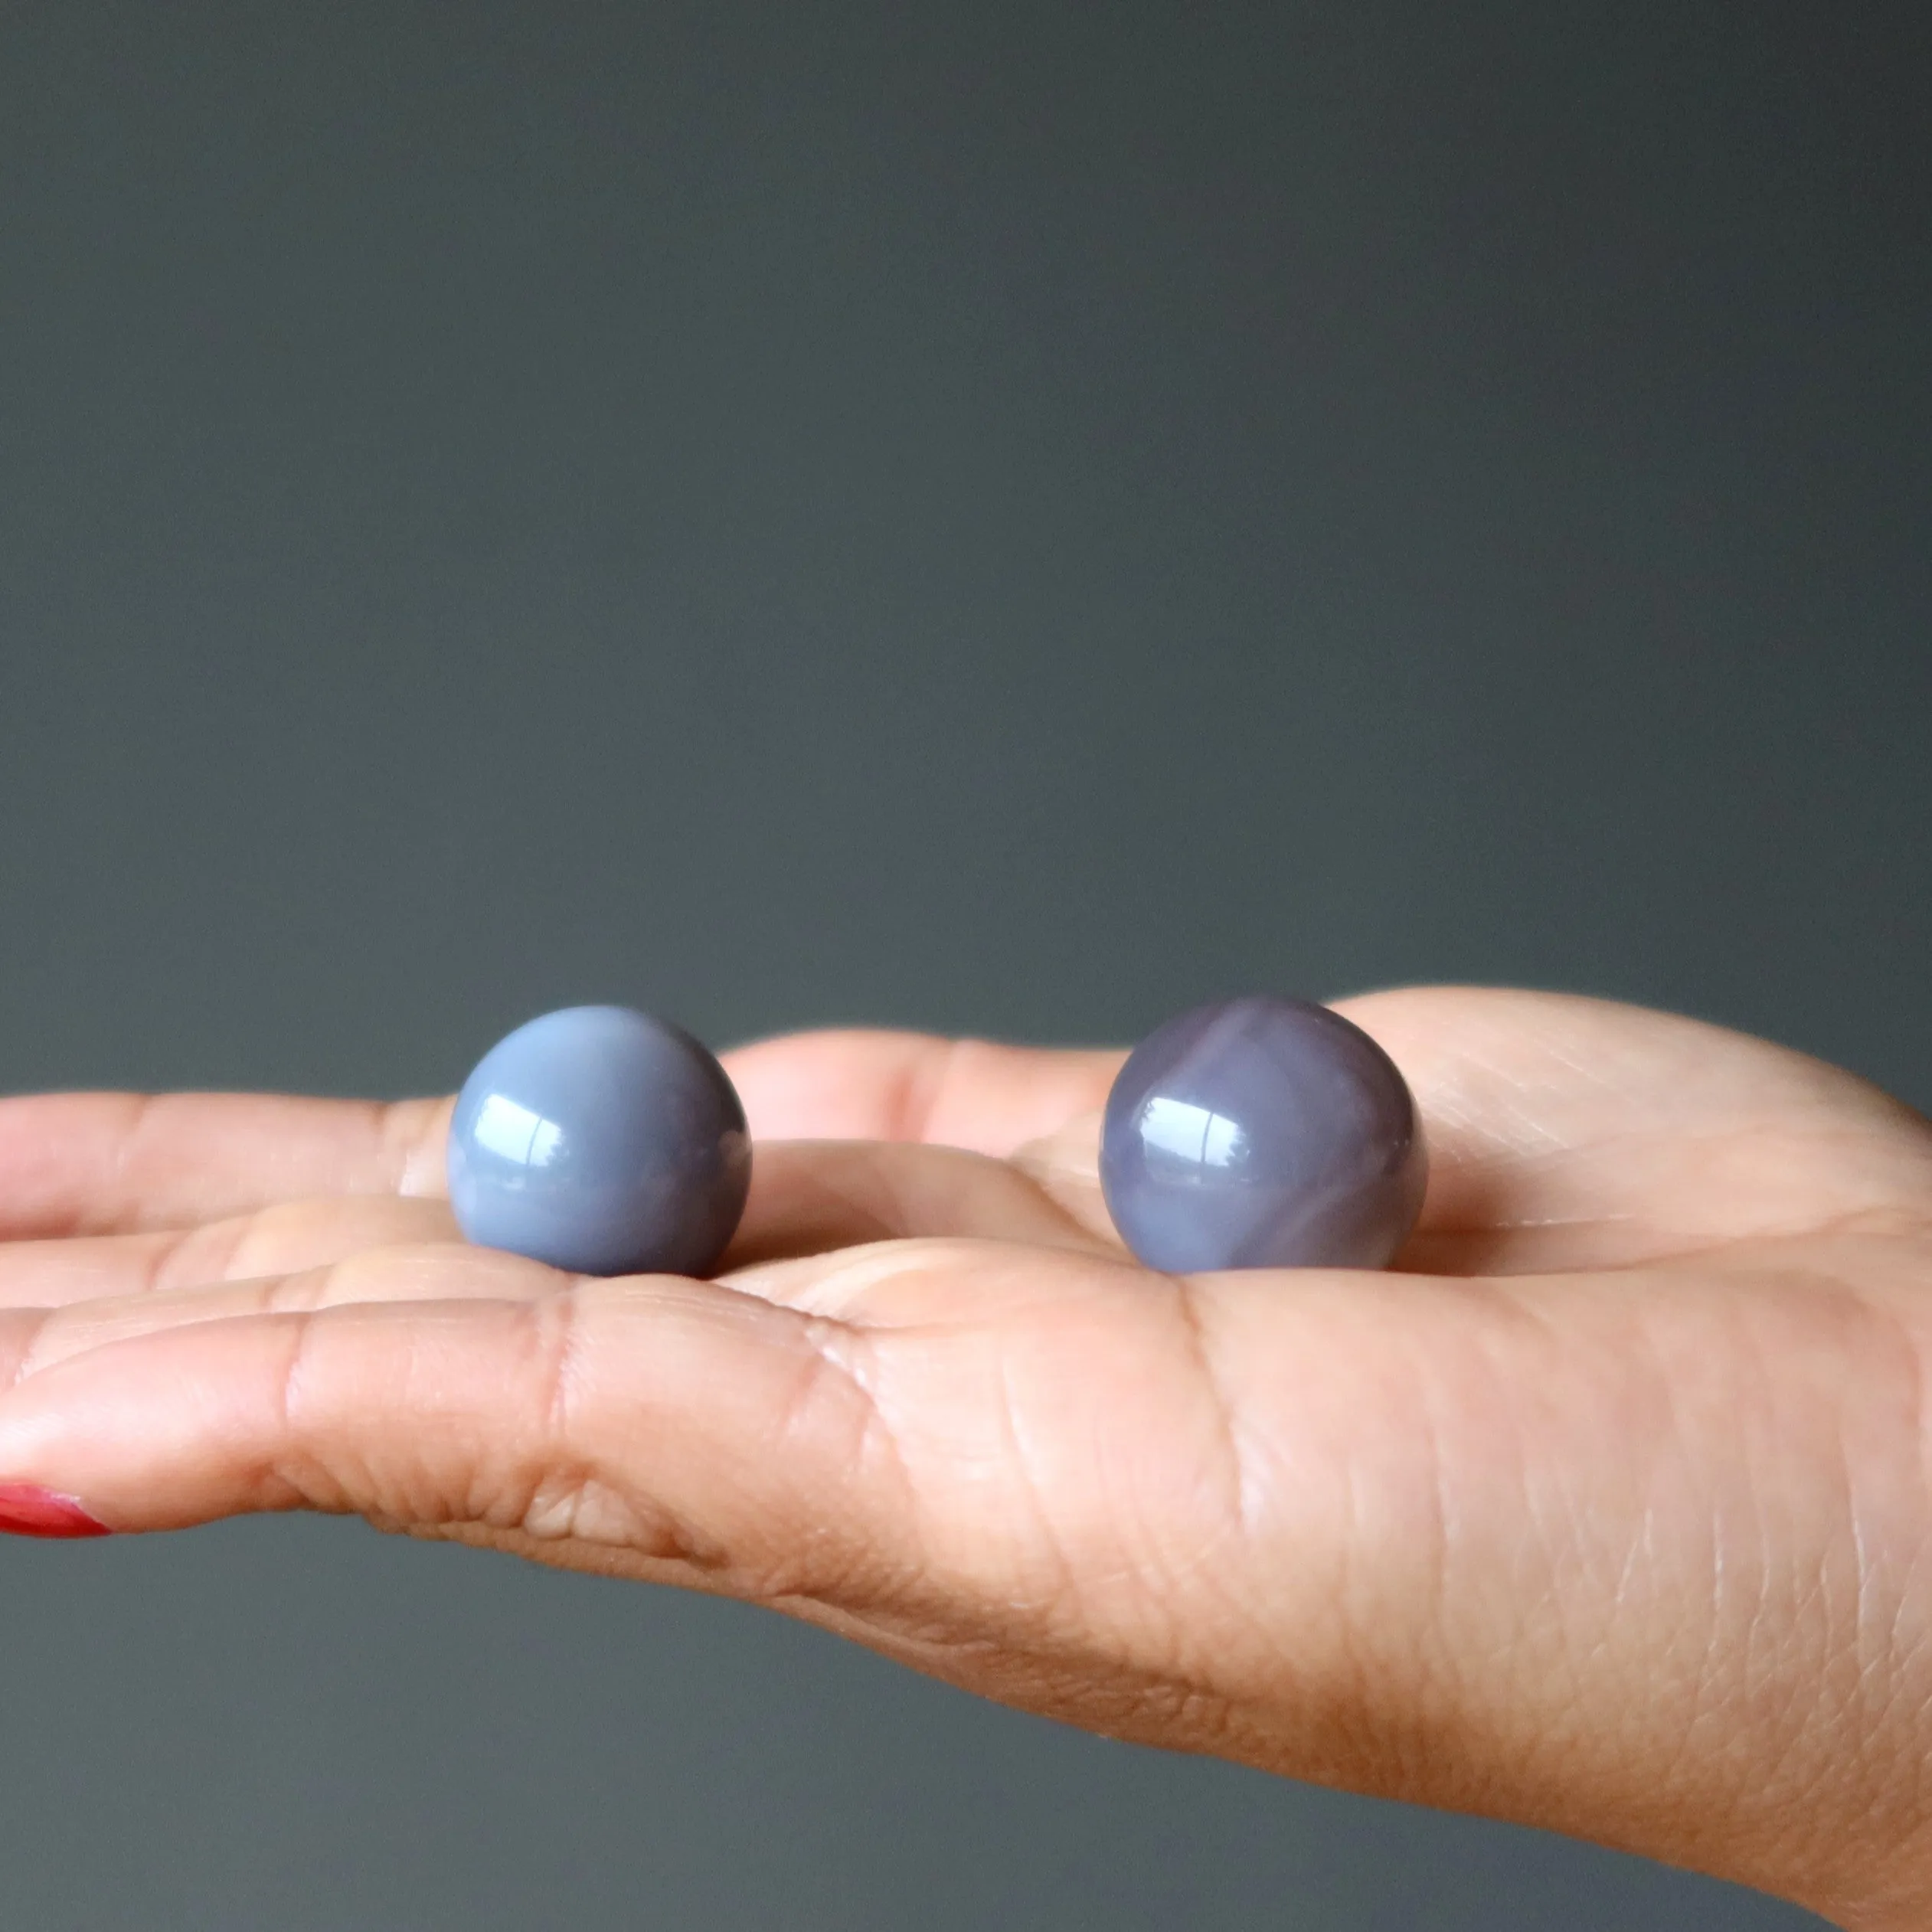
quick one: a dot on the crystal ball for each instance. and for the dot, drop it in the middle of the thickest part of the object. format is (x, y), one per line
(601, 1141)
(1261, 1132)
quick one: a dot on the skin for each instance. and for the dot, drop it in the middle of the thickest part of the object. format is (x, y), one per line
(1606, 1510)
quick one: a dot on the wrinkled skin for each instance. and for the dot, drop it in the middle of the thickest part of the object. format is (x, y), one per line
(1607, 1510)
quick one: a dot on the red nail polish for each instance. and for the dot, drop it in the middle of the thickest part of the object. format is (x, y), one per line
(26, 1509)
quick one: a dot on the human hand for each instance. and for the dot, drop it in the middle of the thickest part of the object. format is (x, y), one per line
(1606, 1512)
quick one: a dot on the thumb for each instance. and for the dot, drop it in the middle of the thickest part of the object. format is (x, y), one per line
(644, 1425)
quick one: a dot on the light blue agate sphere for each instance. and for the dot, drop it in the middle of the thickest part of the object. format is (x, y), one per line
(601, 1141)
(1261, 1132)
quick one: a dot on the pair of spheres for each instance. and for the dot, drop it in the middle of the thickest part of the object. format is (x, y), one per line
(1259, 1133)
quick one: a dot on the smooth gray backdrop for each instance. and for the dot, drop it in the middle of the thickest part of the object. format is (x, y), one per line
(990, 516)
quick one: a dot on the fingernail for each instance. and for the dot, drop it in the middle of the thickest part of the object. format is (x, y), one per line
(26, 1509)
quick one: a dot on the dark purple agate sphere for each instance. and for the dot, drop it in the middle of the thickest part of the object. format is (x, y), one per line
(1261, 1133)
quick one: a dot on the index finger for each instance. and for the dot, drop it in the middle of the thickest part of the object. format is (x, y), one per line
(130, 1163)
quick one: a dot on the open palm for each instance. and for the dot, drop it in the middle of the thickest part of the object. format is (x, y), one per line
(1606, 1510)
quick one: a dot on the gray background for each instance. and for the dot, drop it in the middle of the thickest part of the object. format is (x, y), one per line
(1004, 517)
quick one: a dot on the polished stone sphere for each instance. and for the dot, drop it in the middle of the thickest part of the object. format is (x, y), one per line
(601, 1141)
(1261, 1133)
